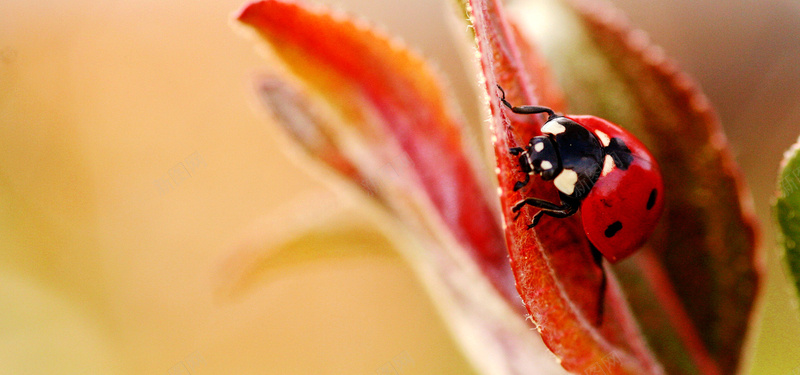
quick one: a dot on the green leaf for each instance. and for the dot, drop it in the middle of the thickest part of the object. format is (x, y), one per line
(787, 209)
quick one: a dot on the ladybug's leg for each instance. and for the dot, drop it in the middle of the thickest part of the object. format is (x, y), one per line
(525, 109)
(546, 208)
(524, 165)
(529, 109)
(521, 184)
(539, 203)
(526, 168)
(560, 214)
(598, 260)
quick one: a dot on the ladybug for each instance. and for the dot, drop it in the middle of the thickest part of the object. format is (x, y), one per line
(596, 167)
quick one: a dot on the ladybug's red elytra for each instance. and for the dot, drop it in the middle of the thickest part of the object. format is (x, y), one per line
(598, 168)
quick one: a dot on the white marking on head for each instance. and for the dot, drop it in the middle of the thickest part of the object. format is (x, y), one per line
(608, 165)
(530, 158)
(553, 127)
(566, 180)
(499, 191)
(538, 146)
(546, 165)
(604, 139)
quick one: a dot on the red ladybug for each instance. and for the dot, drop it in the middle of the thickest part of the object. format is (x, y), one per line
(598, 168)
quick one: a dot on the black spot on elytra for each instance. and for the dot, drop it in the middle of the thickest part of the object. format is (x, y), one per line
(652, 200)
(620, 153)
(613, 229)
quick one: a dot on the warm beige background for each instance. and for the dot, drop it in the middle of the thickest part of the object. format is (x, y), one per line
(107, 266)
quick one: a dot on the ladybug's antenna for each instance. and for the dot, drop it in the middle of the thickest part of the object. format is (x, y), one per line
(526, 109)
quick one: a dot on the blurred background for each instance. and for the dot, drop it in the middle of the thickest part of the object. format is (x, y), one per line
(134, 165)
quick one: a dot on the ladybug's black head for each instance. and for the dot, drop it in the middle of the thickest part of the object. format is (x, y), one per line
(541, 158)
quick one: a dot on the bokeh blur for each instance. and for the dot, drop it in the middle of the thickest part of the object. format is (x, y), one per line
(134, 165)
